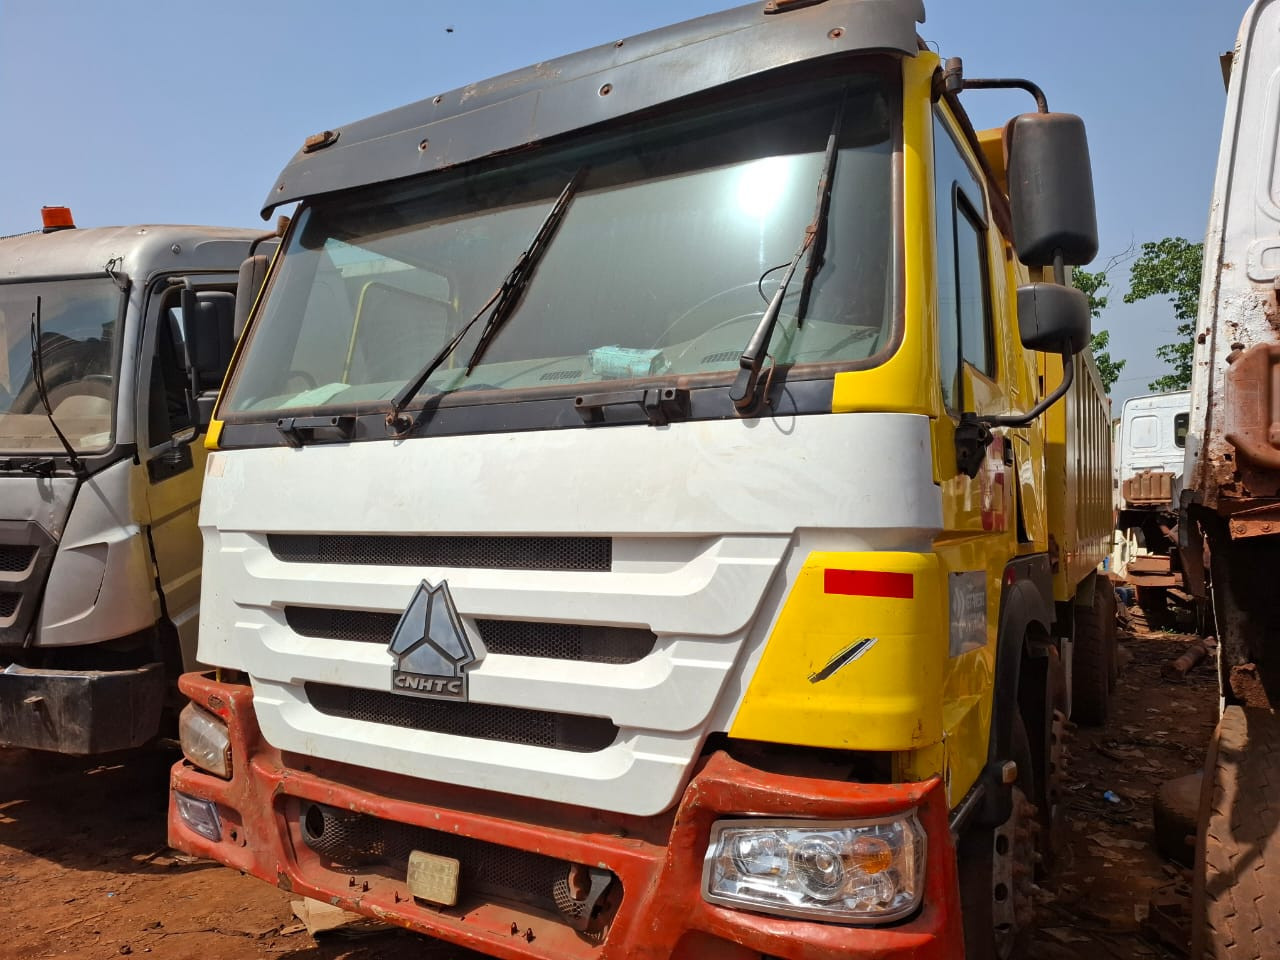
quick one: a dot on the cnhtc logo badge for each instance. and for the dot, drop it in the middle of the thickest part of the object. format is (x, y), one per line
(431, 648)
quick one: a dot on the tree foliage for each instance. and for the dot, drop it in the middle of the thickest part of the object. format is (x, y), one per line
(1171, 267)
(1090, 284)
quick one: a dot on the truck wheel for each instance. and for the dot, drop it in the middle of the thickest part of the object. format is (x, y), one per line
(1093, 661)
(1235, 893)
(997, 871)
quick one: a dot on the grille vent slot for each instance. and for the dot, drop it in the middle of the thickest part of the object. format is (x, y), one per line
(9, 604)
(724, 356)
(14, 558)
(561, 375)
(582, 554)
(516, 638)
(484, 721)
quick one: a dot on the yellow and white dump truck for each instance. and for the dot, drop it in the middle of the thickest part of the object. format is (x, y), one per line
(633, 526)
(1230, 526)
(100, 470)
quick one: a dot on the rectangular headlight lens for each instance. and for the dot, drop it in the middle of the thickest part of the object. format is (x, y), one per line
(865, 870)
(205, 741)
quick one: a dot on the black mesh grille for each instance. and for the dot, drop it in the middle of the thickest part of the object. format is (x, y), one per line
(517, 638)
(353, 841)
(561, 375)
(499, 553)
(14, 558)
(362, 625)
(484, 721)
(722, 357)
(9, 604)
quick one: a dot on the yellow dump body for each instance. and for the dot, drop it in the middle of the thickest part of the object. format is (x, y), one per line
(1078, 475)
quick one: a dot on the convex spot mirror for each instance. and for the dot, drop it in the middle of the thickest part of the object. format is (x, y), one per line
(1051, 189)
(1051, 315)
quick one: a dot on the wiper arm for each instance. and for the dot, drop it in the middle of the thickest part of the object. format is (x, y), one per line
(37, 376)
(40, 466)
(499, 307)
(743, 391)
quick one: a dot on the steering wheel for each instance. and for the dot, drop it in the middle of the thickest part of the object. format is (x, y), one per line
(701, 306)
(302, 375)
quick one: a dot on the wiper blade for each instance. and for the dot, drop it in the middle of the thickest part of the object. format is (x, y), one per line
(743, 391)
(499, 307)
(37, 376)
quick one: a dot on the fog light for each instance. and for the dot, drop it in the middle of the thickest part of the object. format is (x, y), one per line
(205, 741)
(865, 870)
(200, 815)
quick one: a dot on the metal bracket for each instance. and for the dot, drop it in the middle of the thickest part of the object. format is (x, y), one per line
(580, 914)
(660, 405)
(294, 428)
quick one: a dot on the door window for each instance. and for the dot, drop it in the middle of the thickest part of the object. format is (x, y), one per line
(964, 294)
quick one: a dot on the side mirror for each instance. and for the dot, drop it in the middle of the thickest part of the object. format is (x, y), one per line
(253, 274)
(1051, 315)
(208, 318)
(1051, 190)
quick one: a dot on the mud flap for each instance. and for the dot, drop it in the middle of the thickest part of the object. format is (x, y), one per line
(80, 712)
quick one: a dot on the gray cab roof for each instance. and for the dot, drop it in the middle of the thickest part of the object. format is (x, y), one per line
(600, 84)
(139, 251)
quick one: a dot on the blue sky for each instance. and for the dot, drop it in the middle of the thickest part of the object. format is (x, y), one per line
(147, 111)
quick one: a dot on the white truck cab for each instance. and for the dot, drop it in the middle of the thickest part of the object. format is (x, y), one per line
(112, 342)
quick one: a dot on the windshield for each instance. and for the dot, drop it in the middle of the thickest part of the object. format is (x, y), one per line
(78, 320)
(662, 267)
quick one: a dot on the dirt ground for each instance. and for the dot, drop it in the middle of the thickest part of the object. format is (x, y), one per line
(85, 872)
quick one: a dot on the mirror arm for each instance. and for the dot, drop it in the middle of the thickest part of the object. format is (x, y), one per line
(1026, 419)
(956, 82)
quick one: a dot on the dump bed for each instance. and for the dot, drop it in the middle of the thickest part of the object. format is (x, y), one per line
(1077, 474)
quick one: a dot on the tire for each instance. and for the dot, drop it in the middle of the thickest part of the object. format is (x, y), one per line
(981, 873)
(1235, 893)
(1093, 659)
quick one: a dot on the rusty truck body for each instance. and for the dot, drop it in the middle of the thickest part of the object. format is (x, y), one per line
(1230, 527)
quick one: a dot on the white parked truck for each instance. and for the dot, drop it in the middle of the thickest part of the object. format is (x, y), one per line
(1230, 527)
(1150, 450)
(113, 343)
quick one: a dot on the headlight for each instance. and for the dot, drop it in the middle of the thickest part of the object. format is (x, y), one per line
(205, 741)
(866, 870)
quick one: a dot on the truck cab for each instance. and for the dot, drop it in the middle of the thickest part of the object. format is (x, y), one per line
(633, 526)
(102, 378)
(1150, 451)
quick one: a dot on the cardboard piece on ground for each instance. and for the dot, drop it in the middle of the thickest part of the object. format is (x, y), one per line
(320, 917)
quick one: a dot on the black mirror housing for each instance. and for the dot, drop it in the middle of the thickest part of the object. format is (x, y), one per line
(208, 317)
(1050, 315)
(253, 273)
(1051, 190)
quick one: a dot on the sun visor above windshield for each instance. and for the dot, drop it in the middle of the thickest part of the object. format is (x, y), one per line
(604, 83)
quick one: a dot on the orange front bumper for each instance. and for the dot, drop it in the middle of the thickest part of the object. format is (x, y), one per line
(661, 912)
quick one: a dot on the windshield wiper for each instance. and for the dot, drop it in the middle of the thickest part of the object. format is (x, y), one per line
(40, 466)
(37, 376)
(499, 307)
(743, 391)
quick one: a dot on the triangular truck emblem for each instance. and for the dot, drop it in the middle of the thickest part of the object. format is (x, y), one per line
(431, 648)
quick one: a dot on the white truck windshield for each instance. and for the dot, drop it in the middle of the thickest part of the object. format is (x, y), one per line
(78, 320)
(662, 267)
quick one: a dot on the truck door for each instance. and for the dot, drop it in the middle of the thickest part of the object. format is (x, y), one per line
(974, 370)
(173, 458)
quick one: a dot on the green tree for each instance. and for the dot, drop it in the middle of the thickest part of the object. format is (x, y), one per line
(1171, 267)
(1091, 284)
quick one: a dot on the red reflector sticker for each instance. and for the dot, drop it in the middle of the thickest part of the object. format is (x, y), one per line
(869, 583)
